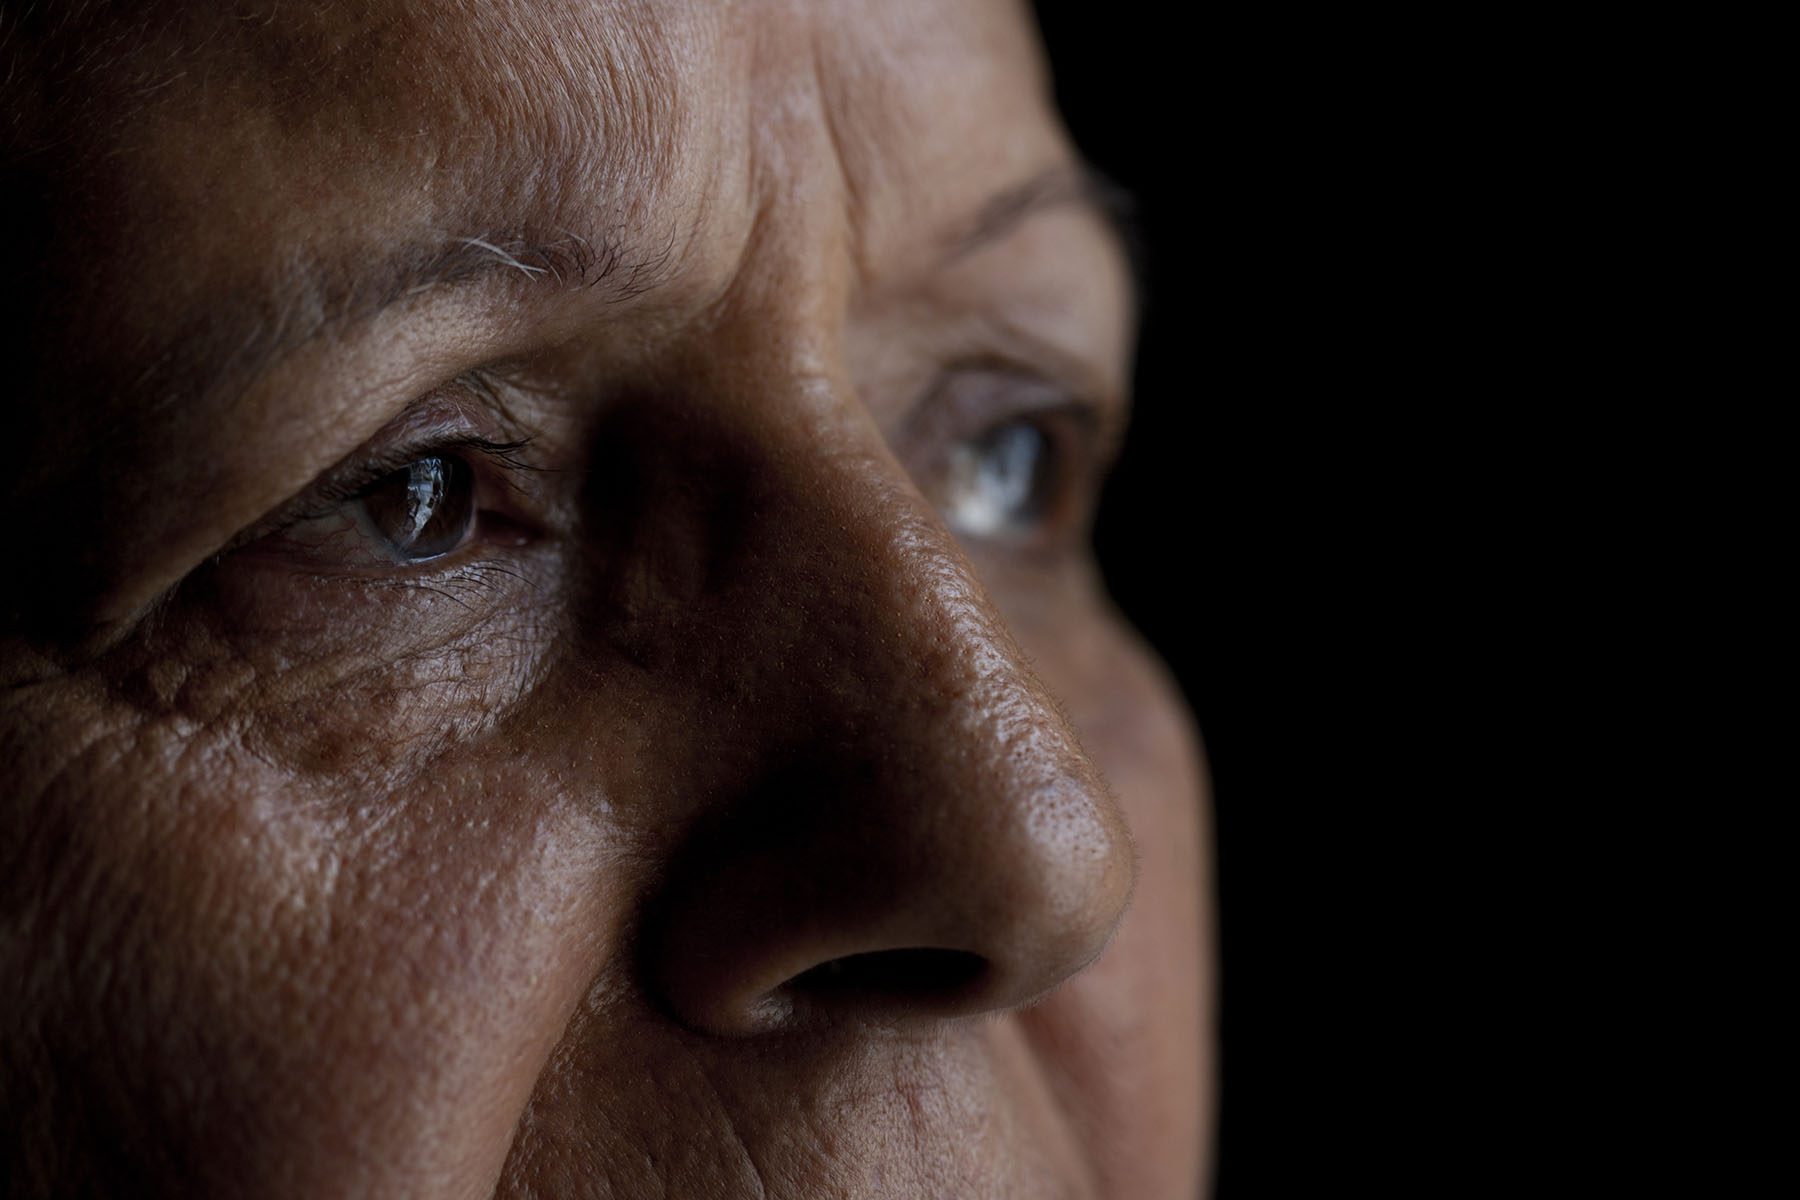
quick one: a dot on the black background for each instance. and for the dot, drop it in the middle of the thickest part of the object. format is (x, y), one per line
(1246, 529)
(1384, 250)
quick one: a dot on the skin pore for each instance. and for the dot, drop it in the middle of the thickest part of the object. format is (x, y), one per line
(563, 658)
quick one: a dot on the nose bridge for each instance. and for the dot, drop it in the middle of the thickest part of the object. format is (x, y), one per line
(923, 834)
(915, 654)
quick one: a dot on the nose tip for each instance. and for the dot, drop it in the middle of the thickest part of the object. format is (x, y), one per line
(972, 871)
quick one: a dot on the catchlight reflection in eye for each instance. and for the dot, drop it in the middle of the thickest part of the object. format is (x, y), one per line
(997, 483)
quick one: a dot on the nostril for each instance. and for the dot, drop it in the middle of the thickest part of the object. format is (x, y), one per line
(922, 977)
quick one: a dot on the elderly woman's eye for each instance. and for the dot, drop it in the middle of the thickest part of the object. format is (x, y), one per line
(403, 510)
(1026, 479)
(1012, 455)
(1003, 480)
(422, 511)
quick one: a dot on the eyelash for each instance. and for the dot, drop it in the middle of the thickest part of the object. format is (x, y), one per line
(504, 455)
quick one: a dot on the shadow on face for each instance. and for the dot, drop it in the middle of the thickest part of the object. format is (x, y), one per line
(565, 659)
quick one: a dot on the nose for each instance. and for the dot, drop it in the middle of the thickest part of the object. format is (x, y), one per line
(920, 836)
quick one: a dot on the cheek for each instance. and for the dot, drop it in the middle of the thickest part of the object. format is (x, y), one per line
(260, 957)
(343, 684)
(1130, 1039)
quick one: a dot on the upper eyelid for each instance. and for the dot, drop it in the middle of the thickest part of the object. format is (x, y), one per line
(368, 471)
(461, 412)
(358, 475)
(946, 412)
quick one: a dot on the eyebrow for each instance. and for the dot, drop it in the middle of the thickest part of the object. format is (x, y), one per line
(567, 259)
(1081, 187)
(562, 257)
(323, 296)
(316, 295)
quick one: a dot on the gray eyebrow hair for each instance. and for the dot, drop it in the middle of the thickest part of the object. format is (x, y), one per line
(567, 258)
(574, 260)
(314, 296)
(325, 296)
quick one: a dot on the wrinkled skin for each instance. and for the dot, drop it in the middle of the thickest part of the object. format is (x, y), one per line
(732, 812)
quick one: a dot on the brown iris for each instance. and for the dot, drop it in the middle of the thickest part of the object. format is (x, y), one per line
(423, 510)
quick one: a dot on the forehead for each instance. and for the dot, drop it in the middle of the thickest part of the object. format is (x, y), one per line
(233, 148)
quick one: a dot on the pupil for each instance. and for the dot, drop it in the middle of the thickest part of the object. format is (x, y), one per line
(424, 509)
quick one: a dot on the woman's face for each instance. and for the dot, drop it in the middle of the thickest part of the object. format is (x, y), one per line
(564, 659)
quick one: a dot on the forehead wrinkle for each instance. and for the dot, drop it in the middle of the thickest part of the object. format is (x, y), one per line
(884, 105)
(448, 138)
(484, 105)
(581, 114)
(565, 120)
(468, 107)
